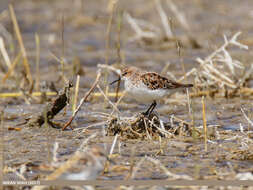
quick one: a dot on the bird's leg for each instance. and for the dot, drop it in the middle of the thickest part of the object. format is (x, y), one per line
(151, 108)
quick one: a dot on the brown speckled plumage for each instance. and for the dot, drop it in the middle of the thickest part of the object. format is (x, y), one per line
(155, 81)
(151, 79)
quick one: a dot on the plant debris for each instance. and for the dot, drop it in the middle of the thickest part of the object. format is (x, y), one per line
(141, 126)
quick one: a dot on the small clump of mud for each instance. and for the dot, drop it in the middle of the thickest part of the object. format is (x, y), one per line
(142, 126)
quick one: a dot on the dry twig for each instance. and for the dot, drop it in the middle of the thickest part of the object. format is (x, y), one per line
(84, 99)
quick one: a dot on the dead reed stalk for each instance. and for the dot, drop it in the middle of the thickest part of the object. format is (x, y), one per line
(21, 44)
(204, 121)
(111, 7)
(76, 93)
(4, 53)
(37, 78)
(11, 69)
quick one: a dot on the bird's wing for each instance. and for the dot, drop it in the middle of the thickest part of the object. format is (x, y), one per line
(155, 81)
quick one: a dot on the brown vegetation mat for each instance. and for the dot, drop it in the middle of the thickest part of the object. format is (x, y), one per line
(141, 126)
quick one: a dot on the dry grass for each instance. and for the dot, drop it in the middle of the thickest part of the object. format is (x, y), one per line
(219, 71)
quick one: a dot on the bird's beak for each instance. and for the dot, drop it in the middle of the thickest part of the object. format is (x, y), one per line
(115, 81)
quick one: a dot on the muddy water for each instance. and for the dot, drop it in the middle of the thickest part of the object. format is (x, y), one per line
(85, 24)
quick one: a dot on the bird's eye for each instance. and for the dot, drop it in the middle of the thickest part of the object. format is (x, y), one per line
(124, 73)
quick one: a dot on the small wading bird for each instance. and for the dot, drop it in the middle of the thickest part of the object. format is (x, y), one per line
(82, 165)
(85, 164)
(148, 86)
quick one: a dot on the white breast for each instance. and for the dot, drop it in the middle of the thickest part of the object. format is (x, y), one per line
(142, 93)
